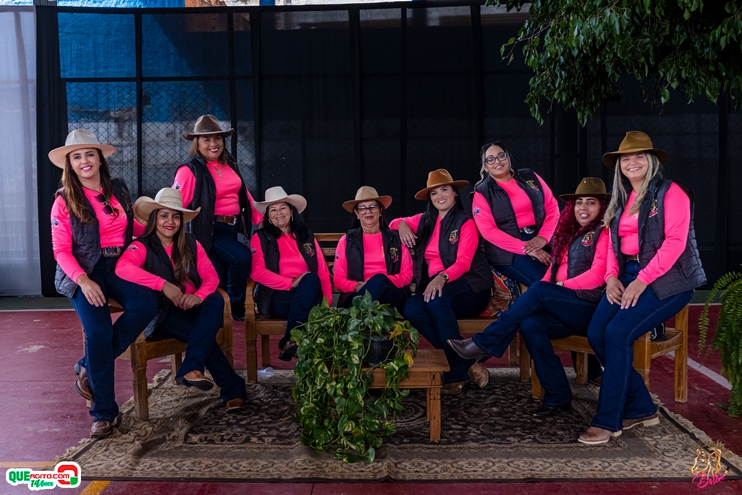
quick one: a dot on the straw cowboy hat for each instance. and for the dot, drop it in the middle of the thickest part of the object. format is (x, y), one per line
(367, 193)
(438, 178)
(77, 139)
(590, 187)
(278, 195)
(207, 125)
(166, 198)
(634, 142)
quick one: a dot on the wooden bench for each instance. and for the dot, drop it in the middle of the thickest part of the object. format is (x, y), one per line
(426, 372)
(644, 351)
(143, 350)
(256, 325)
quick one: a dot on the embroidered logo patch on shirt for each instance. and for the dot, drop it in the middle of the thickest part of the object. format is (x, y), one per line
(131, 248)
(532, 184)
(176, 185)
(453, 238)
(394, 254)
(654, 210)
(587, 239)
(309, 248)
(476, 211)
(55, 222)
(253, 250)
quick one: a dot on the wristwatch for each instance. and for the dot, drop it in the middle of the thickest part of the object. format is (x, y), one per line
(444, 276)
(560, 283)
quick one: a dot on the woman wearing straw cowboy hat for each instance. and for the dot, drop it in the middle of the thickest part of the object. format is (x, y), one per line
(452, 277)
(209, 179)
(92, 221)
(562, 303)
(652, 269)
(173, 263)
(516, 213)
(287, 264)
(371, 257)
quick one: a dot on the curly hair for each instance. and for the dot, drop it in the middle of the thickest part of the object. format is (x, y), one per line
(568, 228)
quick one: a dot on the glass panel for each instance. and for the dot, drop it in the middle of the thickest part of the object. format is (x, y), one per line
(97, 45)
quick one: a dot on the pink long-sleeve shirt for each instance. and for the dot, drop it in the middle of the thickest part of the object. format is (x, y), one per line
(374, 262)
(112, 230)
(590, 279)
(523, 214)
(227, 190)
(677, 225)
(290, 266)
(130, 267)
(468, 243)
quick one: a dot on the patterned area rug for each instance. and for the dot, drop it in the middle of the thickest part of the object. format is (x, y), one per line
(487, 435)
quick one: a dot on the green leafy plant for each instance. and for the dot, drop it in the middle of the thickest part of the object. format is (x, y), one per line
(335, 410)
(728, 336)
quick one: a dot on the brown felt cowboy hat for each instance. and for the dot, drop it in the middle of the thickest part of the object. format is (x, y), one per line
(78, 139)
(438, 178)
(207, 125)
(634, 142)
(278, 195)
(166, 198)
(367, 193)
(590, 187)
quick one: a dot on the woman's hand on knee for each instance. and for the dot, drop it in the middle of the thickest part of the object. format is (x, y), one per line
(632, 293)
(92, 291)
(434, 287)
(613, 290)
(295, 282)
(358, 286)
(172, 292)
(188, 301)
(542, 256)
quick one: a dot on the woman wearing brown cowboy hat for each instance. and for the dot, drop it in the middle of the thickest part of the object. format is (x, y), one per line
(452, 277)
(371, 257)
(209, 179)
(288, 265)
(173, 263)
(652, 269)
(562, 303)
(92, 222)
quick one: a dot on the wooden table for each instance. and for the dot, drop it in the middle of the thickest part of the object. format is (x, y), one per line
(426, 372)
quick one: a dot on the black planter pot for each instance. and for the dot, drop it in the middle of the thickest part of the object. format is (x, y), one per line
(379, 350)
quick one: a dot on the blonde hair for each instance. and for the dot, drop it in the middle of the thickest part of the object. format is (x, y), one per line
(619, 196)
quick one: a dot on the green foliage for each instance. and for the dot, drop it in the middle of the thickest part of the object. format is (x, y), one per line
(728, 336)
(578, 49)
(334, 408)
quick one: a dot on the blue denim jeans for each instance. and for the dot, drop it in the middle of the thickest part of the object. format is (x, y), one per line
(436, 321)
(611, 334)
(524, 270)
(232, 261)
(294, 305)
(104, 342)
(198, 328)
(383, 290)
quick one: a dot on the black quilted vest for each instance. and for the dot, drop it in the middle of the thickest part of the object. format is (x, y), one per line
(86, 238)
(687, 272)
(272, 256)
(479, 276)
(204, 196)
(579, 260)
(503, 213)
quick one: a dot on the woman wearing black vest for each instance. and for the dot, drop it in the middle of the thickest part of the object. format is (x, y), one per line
(171, 262)
(209, 179)
(562, 303)
(287, 264)
(653, 267)
(371, 257)
(92, 222)
(516, 213)
(452, 277)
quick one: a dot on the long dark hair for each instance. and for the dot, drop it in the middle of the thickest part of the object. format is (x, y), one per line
(430, 216)
(73, 194)
(568, 228)
(298, 227)
(182, 256)
(383, 223)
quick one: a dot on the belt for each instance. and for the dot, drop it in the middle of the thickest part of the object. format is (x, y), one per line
(632, 257)
(228, 219)
(111, 252)
(529, 229)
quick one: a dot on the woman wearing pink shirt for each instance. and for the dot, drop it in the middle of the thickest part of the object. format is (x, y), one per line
(516, 213)
(451, 274)
(209, 179)
(371, 257)
(173, 263)
(287, 264)
(92, 221)
(559, 305)
(652, 269)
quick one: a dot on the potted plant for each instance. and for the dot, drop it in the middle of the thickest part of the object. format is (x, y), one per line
(728, 336)
(334, 409)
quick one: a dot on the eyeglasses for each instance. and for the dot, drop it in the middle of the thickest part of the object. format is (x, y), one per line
(107, 208)
(500, 157)
(364, 209)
